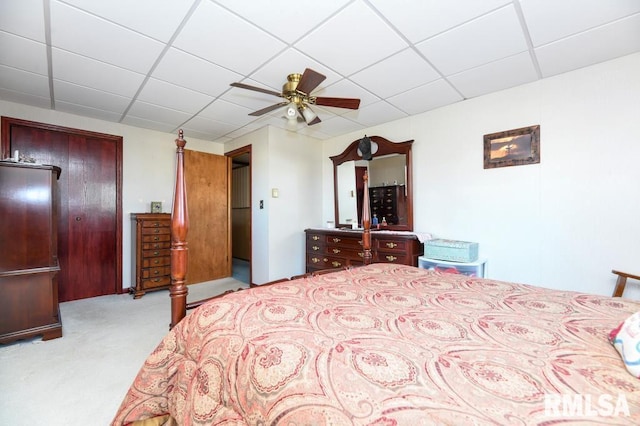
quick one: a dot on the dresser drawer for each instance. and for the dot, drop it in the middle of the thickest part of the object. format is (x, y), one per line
(347, 240)
(160, 271)
(401, 246)
(156, 253)
(320, 261)
(155, 223)
(156, 231)
(150, 262)
(401, 258)
(156, 238)
(156, 282)
(156, 245)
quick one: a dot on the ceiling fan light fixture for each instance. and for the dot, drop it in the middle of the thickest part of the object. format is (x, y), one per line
(292, 111)
(308, 115)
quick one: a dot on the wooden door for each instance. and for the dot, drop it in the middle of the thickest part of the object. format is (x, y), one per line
(207, 187)
(90, 216)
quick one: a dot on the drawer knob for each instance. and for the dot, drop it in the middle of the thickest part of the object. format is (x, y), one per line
(156, 238)
(315, 260)
(336, 240)
(315, 248)
(391, 258)
(392, 245)
(315, 238)
(156, 231)
(336, 264)
(361, 254)
(156, 261)
(336, 251)
(155, 253)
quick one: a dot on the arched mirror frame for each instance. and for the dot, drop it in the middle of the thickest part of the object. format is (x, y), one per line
(385, 147)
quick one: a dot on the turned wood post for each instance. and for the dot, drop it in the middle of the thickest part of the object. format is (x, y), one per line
(366, 222)
(179, 250)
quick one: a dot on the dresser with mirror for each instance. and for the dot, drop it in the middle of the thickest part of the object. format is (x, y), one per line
(391, 199)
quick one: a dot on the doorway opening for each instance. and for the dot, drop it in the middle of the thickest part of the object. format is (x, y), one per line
(240, 202)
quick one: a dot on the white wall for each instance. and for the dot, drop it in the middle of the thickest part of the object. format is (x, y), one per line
(148, 157)
(289, 162)
(563, 223)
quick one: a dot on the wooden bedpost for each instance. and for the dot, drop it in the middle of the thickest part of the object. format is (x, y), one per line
(179, 227)
(366, 222)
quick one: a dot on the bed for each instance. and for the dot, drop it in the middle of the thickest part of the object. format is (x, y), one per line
(388, 344)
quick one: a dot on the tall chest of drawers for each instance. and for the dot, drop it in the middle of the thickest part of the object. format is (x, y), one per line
(334, 248)
(151, 252)
(389, 202)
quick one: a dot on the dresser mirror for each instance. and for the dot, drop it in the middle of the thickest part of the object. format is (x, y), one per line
(390, 189)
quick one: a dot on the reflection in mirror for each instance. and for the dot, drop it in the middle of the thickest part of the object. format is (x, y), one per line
(389, 184)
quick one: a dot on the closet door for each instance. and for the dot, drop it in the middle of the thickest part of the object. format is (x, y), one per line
(90, 216)
(209, 239)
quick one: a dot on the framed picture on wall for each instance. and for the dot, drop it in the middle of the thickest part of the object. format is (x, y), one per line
(156, 207)
(515, 147)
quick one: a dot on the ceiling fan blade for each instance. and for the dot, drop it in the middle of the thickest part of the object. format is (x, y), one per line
(314, 121)
(310, 80)
(256, 89)
(350, 103)
(268, 109)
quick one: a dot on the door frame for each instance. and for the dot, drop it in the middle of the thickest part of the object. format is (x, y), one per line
(5, 142)
(245, 150)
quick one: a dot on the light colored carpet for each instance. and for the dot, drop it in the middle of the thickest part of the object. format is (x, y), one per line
(81, 378)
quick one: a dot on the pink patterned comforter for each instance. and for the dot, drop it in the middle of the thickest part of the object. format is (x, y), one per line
(390, 345)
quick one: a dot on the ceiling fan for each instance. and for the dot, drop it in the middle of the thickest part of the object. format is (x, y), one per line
(297, 92)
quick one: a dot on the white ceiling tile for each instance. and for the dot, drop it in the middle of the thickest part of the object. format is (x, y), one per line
(287, 21)
(549, 20)
(421, 19)
(219, 36)
(174, 97)
(352, 40)
(24, 81)
(483, 40)
(377, 113)
(103, 40)
(221, 110)
(425, 98)
(86, 111)
(156, 18)
(95, 74)
(588, 48)
(186, 70)
(24, 18)
(132, 120)
(80, 95)
(25, 98)
(402, 71)
(498, 75)
(274, 73)
(146, 111)
(337, 126)
(22, 53)
(212, 128)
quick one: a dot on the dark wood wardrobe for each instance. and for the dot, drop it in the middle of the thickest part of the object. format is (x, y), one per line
(90, 211)
(28, 252)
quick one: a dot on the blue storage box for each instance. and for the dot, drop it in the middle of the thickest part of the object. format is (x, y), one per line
(451, 250)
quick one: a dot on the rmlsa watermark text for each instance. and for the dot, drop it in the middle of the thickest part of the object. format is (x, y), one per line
(585, 405)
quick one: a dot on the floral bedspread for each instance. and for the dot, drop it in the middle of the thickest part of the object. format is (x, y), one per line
(390, 345)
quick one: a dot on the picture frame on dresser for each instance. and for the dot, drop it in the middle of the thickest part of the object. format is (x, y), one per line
(514, 147)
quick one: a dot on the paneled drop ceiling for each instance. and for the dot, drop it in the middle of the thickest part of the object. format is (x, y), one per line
(167, 64)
